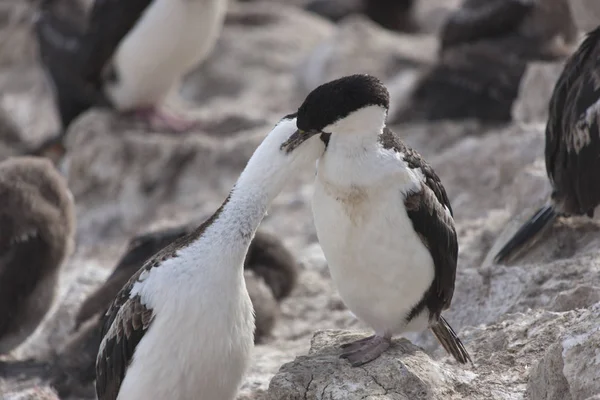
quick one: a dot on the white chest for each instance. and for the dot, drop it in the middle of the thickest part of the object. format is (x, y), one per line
(199, 344)
(379, 264)
(171, 37)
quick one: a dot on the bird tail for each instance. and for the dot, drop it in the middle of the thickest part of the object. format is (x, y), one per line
(450, 341)
(535, 225)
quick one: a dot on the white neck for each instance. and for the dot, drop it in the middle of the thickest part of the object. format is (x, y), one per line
(264, 177)
(368, 121)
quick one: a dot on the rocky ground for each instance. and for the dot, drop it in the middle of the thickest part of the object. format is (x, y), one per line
(532, 327)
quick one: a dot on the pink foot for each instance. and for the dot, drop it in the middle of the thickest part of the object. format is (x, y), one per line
(161, 120)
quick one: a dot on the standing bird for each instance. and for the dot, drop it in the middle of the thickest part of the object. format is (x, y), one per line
(572, 145)
(182, 327)
(382, 217)
(130, 55)
(37, 228)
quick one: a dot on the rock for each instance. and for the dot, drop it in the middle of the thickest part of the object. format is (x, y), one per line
(535, 91)
(586, 14)
(10, 136)
(17, 44)
(153, 167)
(36, 393)
(402, 372)
(564, 344)
(360, 46)
(238, 73)
(569, 368)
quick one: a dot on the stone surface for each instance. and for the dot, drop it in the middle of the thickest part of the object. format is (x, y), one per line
(403, 372)
(586, 14)
(566, 345)
(361, 46)
(535, 91)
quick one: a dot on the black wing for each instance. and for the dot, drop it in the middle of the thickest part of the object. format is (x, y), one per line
(572, 141)
(433, 223)
(478, 19)
(125, 324)
(110, 21)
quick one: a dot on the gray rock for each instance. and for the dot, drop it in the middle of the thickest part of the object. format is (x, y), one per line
(569, 369)
(586, 14)
(361, 46)
(261, 44)
(535, 91)
(403, 372)
(562, 346)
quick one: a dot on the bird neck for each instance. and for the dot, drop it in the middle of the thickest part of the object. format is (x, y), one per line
(260, 182)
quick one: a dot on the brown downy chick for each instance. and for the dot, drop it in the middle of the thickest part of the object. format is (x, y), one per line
(37, 228)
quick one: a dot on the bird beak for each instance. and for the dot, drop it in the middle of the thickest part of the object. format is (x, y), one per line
(297, 139)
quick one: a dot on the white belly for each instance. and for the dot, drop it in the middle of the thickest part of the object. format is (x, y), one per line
(378, 263)
(195, 351)
(171, 37)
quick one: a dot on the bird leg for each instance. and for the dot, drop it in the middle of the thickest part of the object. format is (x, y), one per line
(367, 351)
(356, 344)
(161, 120)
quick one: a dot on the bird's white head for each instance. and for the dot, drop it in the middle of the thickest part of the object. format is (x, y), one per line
(352, 105)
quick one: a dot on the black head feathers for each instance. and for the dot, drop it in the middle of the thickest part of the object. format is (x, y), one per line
(335, 100)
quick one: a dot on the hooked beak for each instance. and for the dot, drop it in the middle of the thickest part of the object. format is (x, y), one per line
(297, 139)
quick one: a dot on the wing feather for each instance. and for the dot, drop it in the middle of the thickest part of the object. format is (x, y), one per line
(431, 215)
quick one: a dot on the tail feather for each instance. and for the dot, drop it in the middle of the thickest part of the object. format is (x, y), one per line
(535, 225)
(450, 341)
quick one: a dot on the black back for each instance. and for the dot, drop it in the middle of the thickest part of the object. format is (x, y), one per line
(59, 46)
(475, 81)
(483, 19)
(572, 133)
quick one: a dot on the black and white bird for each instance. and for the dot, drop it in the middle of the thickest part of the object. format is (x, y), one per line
(572, 146)
(382, 216)
(270, 273)
(182, 327)
(130, 55)
(270, 260)
(37, 229)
